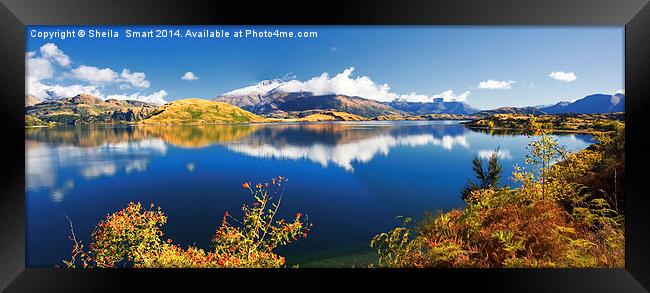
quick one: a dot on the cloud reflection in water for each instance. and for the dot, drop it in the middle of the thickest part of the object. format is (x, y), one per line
(44, 162)
(344, 154)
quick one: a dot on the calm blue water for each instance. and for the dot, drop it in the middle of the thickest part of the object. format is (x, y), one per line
(352, 179)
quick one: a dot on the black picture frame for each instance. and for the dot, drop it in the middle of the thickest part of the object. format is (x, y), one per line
(633, 14)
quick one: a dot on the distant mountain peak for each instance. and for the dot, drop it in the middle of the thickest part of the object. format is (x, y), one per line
(260, 88)
(437, 106)
(591, 104)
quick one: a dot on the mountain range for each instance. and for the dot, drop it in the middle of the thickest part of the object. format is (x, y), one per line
(279, 103)
(269, 100)
(437, 106)
(511, 110)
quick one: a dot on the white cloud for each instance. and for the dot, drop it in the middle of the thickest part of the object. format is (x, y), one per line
(137, 79)
(41, 66)
(155, 98)
(344, 84)
(563, 76)
(449, 96)
(38, 68)
(104, 76)
(416, 98)
(615, 99)
(94, 75)
(55, 91)
(189, 76)
(495, 84)
(52, 52)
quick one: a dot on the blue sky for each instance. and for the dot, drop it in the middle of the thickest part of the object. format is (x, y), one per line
(484, 66)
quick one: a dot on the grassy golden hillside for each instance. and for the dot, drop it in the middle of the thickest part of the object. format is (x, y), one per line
(197, 111)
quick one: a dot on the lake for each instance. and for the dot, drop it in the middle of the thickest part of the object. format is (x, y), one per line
(351, 178)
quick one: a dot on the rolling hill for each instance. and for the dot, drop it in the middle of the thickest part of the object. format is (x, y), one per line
(199, 111)
(84, 109)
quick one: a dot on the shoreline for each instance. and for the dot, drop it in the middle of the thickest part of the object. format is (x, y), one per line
(292, 121)
(245, 123)
(586, 131)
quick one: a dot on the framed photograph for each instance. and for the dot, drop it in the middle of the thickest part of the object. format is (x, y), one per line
(177, 145)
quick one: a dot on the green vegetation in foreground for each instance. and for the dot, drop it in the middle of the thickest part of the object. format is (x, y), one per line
(198, 111)
(132, 237)
(565, 214)
(583, 123)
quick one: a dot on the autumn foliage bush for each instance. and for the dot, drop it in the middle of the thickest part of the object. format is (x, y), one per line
(133, 237)
(551, 220)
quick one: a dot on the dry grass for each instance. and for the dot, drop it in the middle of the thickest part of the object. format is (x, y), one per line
(197, 111)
